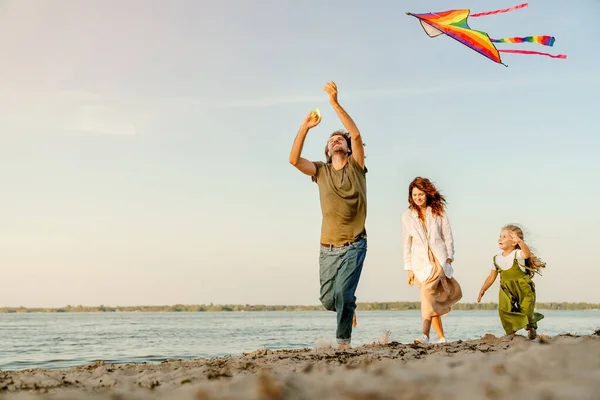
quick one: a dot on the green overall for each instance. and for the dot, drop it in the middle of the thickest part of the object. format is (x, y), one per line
(517, 299)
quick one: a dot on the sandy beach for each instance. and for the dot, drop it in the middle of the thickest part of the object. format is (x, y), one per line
(488, 368)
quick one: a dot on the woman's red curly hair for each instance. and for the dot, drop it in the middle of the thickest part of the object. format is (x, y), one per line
(435, 200)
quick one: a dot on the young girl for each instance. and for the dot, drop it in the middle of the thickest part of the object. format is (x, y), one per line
(516, 265)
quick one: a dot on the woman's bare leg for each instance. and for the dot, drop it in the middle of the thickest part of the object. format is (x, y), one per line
(426, 326)
(437, 326)
(426, 329)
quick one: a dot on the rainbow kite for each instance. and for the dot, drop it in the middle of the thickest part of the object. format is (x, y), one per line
(454, 24)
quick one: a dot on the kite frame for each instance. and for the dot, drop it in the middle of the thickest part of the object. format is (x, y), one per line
(492, 41)
(444, 33)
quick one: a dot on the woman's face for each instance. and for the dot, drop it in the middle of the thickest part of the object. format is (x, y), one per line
(419, 197)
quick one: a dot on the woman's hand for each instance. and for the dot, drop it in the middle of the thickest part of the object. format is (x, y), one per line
(411, 278)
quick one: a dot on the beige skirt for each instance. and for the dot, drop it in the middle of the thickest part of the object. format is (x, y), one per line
(438, 293)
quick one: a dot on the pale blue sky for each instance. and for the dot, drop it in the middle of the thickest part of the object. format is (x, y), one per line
(144, 145)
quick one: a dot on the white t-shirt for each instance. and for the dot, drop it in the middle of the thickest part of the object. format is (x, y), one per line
(506, 262)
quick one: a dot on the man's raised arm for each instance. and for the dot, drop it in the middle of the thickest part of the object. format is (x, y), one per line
(302, 164)
(358, 150)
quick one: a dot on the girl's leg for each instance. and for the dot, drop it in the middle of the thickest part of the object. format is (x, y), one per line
(527, 306)
(438, 327)
(511, 321)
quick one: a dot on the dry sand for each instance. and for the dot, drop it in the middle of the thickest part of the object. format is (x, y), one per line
(490, 368)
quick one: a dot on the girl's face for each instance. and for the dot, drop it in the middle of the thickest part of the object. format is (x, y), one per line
(504, 241)
(419, 197)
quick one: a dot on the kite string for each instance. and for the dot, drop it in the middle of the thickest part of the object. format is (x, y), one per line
(482, 14)
(563, 56)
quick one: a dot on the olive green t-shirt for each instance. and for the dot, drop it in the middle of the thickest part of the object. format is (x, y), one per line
(343, 196)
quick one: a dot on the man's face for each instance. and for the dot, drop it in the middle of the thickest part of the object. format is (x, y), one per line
(337, 143)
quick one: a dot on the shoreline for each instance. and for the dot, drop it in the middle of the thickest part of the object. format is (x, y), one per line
(139, 338)
(378, 370)
(361, 306)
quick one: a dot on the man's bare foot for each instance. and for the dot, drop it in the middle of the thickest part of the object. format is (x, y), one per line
(354, 320)
(344, 346)
(532, 334)
(509, 336)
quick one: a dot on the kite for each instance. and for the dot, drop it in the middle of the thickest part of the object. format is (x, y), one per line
(453, 23)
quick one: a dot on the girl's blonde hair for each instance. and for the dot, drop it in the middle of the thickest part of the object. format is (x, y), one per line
(533, 263)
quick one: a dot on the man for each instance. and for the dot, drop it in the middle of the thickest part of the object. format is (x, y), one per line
(343, 195)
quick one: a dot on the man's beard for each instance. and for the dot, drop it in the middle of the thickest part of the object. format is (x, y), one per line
(339, 150)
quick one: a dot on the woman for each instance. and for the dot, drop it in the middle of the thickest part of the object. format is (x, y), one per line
(428, 244)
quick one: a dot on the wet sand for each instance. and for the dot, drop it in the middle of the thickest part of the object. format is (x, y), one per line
(489, 368)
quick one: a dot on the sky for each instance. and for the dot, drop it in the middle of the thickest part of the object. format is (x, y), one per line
(144, 146)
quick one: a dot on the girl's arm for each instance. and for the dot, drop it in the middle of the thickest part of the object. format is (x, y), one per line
(525, 252)
(489, 281)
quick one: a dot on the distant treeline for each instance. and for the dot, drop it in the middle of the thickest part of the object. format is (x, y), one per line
(392, 306)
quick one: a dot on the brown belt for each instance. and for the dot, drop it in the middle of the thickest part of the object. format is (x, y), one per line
(333, 246)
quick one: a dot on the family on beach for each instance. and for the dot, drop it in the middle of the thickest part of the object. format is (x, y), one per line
(428, 244)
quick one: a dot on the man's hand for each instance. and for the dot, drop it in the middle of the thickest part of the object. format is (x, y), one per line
(302, 164)
(331, 90)
(311, 120)
(358, 151)
(411, 278)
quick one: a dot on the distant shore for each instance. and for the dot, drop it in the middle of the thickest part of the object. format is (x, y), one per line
(374, 306)
(561, 367)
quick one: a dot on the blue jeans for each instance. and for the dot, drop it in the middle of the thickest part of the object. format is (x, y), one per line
(339, 273)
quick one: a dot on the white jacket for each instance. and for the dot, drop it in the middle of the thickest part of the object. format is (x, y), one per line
(414, 240)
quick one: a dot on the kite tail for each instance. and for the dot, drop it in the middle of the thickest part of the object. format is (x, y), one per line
(543, 40)
(563, 56)
(482, 14)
